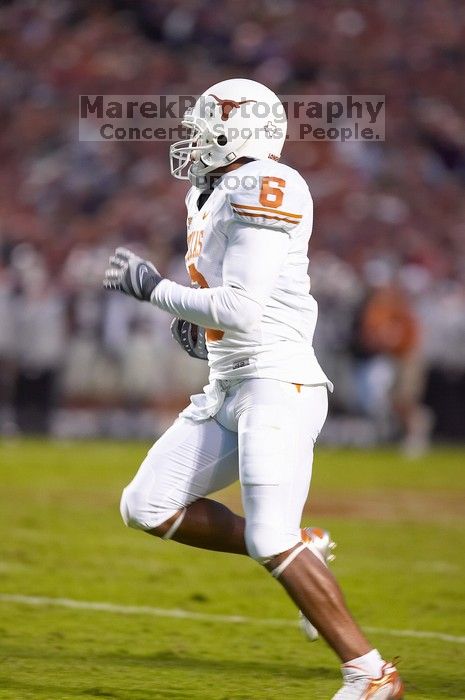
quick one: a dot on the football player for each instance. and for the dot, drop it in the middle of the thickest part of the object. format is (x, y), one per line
(250, 311)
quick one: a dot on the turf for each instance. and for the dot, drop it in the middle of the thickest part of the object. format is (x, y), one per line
(400, 529)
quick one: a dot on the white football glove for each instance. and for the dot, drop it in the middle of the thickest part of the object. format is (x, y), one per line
(190, 337)
(132, 275)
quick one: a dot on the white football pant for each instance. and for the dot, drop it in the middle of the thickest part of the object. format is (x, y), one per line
(263, 434)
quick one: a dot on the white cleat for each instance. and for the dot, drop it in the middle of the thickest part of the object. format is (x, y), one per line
(320, 543)
(359, 686)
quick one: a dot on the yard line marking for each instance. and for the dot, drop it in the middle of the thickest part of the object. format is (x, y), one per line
(140, 610)
(417, 634)
(176, 613)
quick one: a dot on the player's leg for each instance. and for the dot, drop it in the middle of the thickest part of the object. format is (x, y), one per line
(166, 497)
(313, 588)
(207, 524)
(278, 426)
(315, 591)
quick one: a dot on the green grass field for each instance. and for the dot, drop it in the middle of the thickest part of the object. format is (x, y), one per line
(400, 528)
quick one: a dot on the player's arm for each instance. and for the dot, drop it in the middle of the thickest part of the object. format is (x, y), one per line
(251, 265)
(137, 277)
(258, 226)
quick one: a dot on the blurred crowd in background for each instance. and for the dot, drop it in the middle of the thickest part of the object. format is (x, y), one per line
(388, 248)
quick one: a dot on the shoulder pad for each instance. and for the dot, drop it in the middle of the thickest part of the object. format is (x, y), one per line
(269, 195)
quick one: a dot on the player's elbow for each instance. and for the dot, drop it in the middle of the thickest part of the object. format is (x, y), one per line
(246, 317)
(250, 318)
(235, 310)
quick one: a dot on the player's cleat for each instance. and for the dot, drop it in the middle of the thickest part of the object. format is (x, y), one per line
(359, 686)
(321, 544)
(320, 540)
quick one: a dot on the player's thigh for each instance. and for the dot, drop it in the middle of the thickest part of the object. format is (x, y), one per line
(191, 460)
(278, 426)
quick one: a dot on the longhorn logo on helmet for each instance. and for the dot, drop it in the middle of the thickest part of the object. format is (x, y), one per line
(228, 105)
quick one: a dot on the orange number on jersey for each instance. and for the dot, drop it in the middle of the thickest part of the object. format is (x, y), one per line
(199, 279)
(271, 196)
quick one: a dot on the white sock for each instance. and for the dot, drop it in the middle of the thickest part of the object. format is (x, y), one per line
(371, 663)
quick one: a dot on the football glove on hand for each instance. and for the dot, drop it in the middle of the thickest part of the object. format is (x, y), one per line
(132, 275)
(190, 337)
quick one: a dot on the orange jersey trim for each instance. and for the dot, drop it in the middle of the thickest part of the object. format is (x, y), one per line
(268, 209)
(265, 216)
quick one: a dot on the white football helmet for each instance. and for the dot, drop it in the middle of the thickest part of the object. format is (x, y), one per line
(233, 119)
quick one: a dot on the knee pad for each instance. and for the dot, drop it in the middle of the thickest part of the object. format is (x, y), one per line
(140, 513)
(264, 542)
(132, 509)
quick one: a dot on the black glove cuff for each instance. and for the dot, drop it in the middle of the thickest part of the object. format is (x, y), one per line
(149, 282)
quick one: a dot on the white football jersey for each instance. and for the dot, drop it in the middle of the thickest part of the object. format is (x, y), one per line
(269, 200)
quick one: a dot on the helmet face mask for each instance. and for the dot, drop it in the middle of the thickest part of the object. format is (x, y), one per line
(200, 153)
(220, 130)
(183, 154)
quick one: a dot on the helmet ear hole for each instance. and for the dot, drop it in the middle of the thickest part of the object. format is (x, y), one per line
(221, 140)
